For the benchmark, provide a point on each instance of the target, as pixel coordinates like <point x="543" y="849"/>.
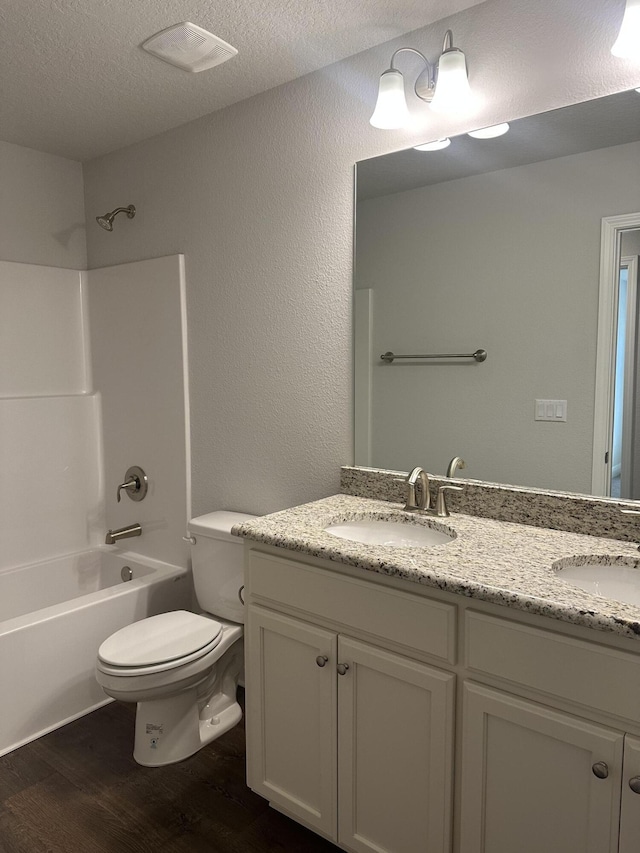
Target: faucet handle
<point x="131" y="483"/>
<point x="441" y="509"/>
<point x="136" y="484"/>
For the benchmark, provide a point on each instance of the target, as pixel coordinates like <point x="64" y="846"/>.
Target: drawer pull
<point x="342" y="668"/>
<point x="321" y="660"/>
<point x="600" y="770"/>
<point x="634" y="784"/>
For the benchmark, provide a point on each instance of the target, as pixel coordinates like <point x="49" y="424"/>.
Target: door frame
<point x="611" y="230"/>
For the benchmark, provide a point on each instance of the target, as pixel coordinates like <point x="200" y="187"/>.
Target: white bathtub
<point x="53" y="617"/>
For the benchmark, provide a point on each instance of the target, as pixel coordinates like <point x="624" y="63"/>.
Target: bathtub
<point x="53" y="617"/>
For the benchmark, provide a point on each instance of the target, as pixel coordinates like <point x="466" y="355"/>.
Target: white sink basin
<point x="620" y="581"/>
<point x="393" y="534"/>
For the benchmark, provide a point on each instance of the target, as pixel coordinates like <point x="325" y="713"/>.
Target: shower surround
<point x="93" y="379"/>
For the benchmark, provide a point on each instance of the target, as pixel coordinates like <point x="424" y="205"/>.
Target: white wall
<point x="50" y="488"/>
<point x="41" y="208"/>
<point x="138" y="350"/>
<point x="518" y="276"/>
<point x="259" y="197"/>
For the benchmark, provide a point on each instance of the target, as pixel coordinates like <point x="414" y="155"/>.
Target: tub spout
<point x="122" y="533"/>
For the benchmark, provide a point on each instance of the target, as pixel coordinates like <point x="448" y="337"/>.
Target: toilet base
<point x="170" y="730"/>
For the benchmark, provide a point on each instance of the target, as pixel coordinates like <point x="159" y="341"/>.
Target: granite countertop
<point x="497" y="561"/>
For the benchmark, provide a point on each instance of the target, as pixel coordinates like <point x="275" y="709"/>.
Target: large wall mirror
<point x="497" y="245"/>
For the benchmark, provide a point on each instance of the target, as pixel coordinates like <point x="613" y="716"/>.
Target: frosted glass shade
<point x="490" y="132"/>
<point x="627" y="45"/>
<point x="391" y="109"/>
<point x="453" y="93"/>
<point x="436" y="145"/>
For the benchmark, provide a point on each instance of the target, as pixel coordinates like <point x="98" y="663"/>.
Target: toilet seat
<point x="159" y="643"/>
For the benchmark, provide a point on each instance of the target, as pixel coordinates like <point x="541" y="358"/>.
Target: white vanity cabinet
<point x="353" y="739"/>
<point x="351" y="717"/>
<point x="527" y="781"/>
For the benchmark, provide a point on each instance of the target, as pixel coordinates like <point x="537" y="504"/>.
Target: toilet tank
<point x="217" y="561"/>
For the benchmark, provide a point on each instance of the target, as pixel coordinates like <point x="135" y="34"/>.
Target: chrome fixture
<point x="627" y="45"/>
<point x="122" y="533"/>
<point x="417" y="476"/>
<point x="441" y="509"/>
<point x="106" y="221"/>
<point x="136" y="484"/>
<point x="418" y="479"/>
<point x="479" y="355"/>
<point x="322" y="660"/>
<point x="444" y="86"/>
<point x="126" y="573"/>
<point x="456" y="462"/>
<point x="634" y="784"/>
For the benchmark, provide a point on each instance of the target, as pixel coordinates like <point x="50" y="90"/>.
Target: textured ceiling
<point x="74" y="81"/>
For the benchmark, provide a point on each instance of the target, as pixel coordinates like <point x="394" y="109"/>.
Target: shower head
<point x="106" y="221"/>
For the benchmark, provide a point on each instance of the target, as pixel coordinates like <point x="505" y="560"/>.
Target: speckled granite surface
<point x="556" y="510"/>
<point x="497" y="561"/>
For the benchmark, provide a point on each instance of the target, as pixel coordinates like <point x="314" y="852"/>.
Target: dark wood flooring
<point x="78" y="790"/>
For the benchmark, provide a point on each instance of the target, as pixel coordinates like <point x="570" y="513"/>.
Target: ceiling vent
<point x="189" y="47"/>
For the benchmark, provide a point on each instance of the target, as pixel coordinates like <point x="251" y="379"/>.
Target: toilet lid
<point x="160" y="639"/>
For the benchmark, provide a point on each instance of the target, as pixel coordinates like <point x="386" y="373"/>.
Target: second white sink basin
<point x="393" y="534"/>
<point x="620" y="581"/>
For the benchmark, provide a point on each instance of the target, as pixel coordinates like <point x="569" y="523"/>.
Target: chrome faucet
<point x="122" y="533"/>
<point x="441" y="509"/>
<point x="455" y="463"/>
<point x="418" y="479"/>
<point x="417" y="476"/>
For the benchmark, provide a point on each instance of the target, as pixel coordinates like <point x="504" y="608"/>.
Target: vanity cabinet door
<point x="395" y="752"/>
<point x="529" y="782"/>
<point x="291" y="717"/>
<point x="630" y="816"/>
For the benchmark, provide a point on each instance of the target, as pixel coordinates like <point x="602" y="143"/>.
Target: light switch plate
<point x="551" y="410"/>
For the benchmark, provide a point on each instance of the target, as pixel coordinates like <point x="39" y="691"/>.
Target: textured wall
<point x="259" y="197"/>
<point x="42" y="209"/>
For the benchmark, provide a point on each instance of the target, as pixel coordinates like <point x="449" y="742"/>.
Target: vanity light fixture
<point x="627" y="45"/>
<point x="490" y="132"/>
<point x="445" y="87"/>
<point x="436" y="145"/>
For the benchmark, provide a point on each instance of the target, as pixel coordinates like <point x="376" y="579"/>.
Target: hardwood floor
<point x="78" y="790"/>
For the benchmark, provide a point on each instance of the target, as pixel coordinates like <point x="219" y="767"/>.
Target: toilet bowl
<point x="182" y="668"/>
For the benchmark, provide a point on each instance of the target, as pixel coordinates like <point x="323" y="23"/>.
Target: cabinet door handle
<point x="634" y="784"/>
<point x="321" y="660"/>
<point x="342" y="668"/>
<point x="600" y="770"/>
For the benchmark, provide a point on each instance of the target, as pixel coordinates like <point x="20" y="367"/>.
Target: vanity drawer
<point x="413" y="621"/>
<point x="582" y="672"/>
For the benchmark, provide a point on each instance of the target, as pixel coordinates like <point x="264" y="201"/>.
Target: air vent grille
<point x="189" y="47"/>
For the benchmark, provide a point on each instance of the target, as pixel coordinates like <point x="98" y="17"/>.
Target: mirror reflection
<point x="496" y="244"/>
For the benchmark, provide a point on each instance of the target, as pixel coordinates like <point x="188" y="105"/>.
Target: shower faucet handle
<point x="135" y="485"/>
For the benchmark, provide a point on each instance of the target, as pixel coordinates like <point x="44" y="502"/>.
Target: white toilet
<point x="183" y="668"/>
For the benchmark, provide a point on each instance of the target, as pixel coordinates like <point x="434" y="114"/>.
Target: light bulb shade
<point x="436" y="145"/>
<point x="627" y="45"/>
<point x="453" y="93"/>
<point x="391" y="109"/>
<point x="489" y="132"/>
